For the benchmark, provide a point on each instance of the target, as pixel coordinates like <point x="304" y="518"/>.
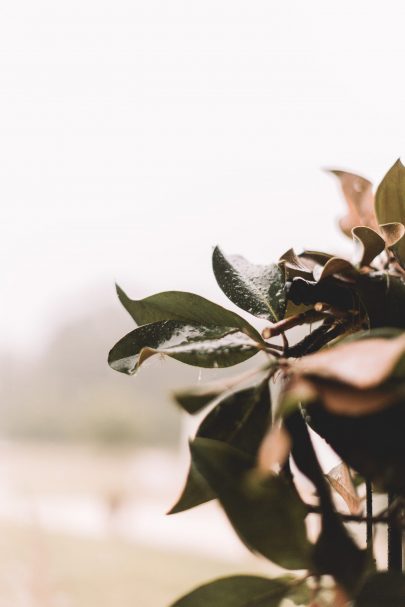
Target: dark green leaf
<point x="256" y="289"/>
<point x="267" y="514"/>
<point x="373" y="445"/>
<point x="390" y="202"/>
<point x="336" y="554"/>
<point x="238" y="591"/>
<point x="385" y="589"/>
<point x="185" y="307"/>
<point x="383" y="298"/>
<point x="192" y="344"/>
<point x="240" y="419"/>
<point x="196" y="397"/>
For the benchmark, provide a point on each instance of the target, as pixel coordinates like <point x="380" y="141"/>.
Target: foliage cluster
<point x="345" y="380"/>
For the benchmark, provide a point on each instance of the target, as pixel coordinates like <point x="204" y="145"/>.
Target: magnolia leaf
<point x="358" y="194"/>
<point x="240" y="419"/>
<point x="373" y="444"/>
<point x="392" y="233"/>
<point x="334" y="265"/>
<point x="382" y="296"/>
<point x="341" y="481"/>
<point x="390" y="202"/>
<point x="363" y="364"/>
<point x="238" y="591"/>
<point x="382" y="589"/>
<point x="254" y="288"/>
<point x="295" y="266"/>
<point x="196" y="397"/>
<point x="185" y="307"/>
<point x="267" y="514"/>
<point x="368" y="245"/>
<point x="274" y="450"/>
<point x="191" y="344"/>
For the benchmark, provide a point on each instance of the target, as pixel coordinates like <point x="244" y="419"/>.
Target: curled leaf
<point x="368" y="244"/>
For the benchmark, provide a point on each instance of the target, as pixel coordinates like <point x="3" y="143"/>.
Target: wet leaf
<point x="358" y="194"/>
<point x="254" y="288"/>
<point x="267" y="514"/>
<point x="184" y="307"/>
<point x="191" y="344"/>
<point x="390" y="202"/>
<point x="238" y="591"/>
<point x="383" y="589"/>
<point x="368" y="243"/>
<point x="240" y="419"/>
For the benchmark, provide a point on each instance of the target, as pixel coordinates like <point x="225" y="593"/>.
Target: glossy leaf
<point x="184" y="307"/>
<point x="295" y="266"/>
<point x="390" y="202"/>
<point x="341" y="481"/>
<point x="238" y="591"/>
<point x="191" y="344"/>
<point x="254" y="288"/>
<point x="383" y="589"/>
<point x="267" y="514"/>
<point x="240" y="419"/>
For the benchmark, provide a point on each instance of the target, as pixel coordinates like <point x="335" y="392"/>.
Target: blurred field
<point x="84" y="526"/>
<point x="40" y="569"/>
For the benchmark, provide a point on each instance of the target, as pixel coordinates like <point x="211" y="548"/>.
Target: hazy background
<point x="134" y="136"/>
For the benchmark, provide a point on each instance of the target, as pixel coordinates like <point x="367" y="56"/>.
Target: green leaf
<point x="198" y="396"/>
<point x="390" y="202"/>
<point x="267" y="514"/>
<point x="385" y="589"/>
<point x="185" y="307"/>
<point x="241" y="419"/>
<point x="238" y="591"/>
<point x="191" y="344"/>
<point x="256" y="289"/>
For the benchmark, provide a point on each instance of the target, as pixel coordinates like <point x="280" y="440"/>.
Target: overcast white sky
<point x="136" y="134"/>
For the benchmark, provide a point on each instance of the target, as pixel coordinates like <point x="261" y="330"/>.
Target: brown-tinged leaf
<point x="274" y="449"/>
<point x="334" y="265"/>
<point x="341" y="598"/>
<point x="341" y="481"/>
<point x="359" y="197"/>
<point x="362" y="364"/>
<point x="368" y="244"/>
<point x="392" y="233"/>
<point x="296" y="266"/>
